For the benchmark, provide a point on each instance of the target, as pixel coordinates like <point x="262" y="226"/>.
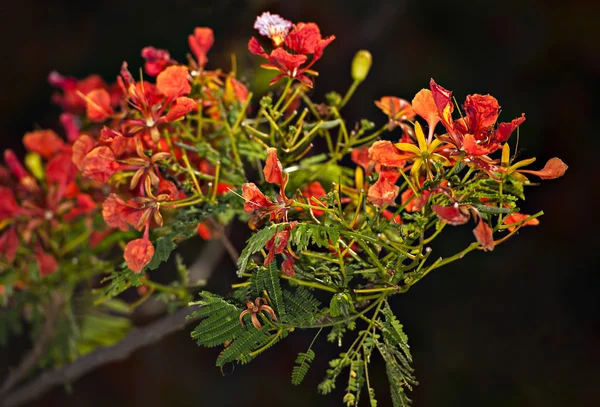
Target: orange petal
<point x="383" y="192"/>
<point x="138" y="253"/>
<point x="182" y="106"/>
<point x="451" y="214"/>
<point x="554" y="168"/>
<point x="273" y="170"/>
<point x="200" y="43"/>
<point x="81" y="148"/>
<point x="424" y="105"/>
<point x="100" y="164"/>
<point x="483" y="234"/>
<point x="395" y="108"/>
<point x="173" y="82"/>
<point x="518" y="217"/>
<point x="385" y="153"/>
<point x="98" y="107"/>
<point x="44" y="142"/>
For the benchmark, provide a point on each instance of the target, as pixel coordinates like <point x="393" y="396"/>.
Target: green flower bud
<point x="33" y="162"/>
<point x="361" y="64"/>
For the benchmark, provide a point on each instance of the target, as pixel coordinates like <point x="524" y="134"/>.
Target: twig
<point x="30" y="360"/>
<point x="69" y="373"/>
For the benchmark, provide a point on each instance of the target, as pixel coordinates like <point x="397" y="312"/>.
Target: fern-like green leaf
<point x="303" y="361"/>
<point x="221" y="321"/>
<point x="255" y="243"/>
<point x="273" y="287"/>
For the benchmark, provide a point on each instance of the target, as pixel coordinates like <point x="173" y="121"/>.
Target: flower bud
<point x="361" y="64"/>
<point x="33" y="162"/>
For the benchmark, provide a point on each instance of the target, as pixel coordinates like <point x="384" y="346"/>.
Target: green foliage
<point x="254" y="244"/>
<point x="303" y="362"/>
<point x="302" y="307"/>
<point x="220" y="323"/>
<point x="249" y="345"/>
<point x="319" y="234"/>
<point x="341" y="305"/>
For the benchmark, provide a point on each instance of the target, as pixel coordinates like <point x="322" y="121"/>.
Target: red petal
<point x="288" y="266"/>
<point x="314" y="189"/>
<point x="44" y="142"/>
<point x="182" y="106"/>
<point x="451" y="214"/>
<point x="100" y="164"/>
<point x="61" y="169"/>
<point x="273" y="170"/>
<point x="483" y="234"/>
<point x="481" y="113"/>
<point x="173" y="82"/>
<point x="256" y="48"/>
<point x="554" y="168"/>
<point x="156" y="60"/>
<point x="360" y="156"/>
<point x="395" y="108"/>
<point x="383" y="193"/>
<point x="385" y="153"/>
<point x="388" y="215"/>
<point x="442" y="97"/>
<point x="46" y="263"/>
<point x="506" y="129"/>
<point x="118" y="213"/>
<point x="204" y="231"/>
<point x="304" y="38"/>
<point x="8" y="203"/>
<point x="138" y="253"/>
<point x="9" y="243"/>
<point x="285" y="61"/>
<point x="470" y="145"/>
<point x="200" y="43"/>
<point x="254" y="198"/>
<point x="81" y="148"/>
<point x="71" y="125"/>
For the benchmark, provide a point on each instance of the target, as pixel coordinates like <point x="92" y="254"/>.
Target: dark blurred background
<point x="516" y="327"/>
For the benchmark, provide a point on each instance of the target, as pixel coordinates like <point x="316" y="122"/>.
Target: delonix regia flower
<point x="187" y="149"/>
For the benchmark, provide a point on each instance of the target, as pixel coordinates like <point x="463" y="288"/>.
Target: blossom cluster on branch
<point x="181" y="149"/>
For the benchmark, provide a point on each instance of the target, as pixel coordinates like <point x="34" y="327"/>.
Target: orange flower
<point x="156" y="60"/>
<point x="384" y="152"/>
<point x="200" y="43"/>
<point x="424" y="105"/>
<point x="173" y="82"/>
<point x="554" y="168"/>
<point x="382" y="193"/>
<point x="81" y="148"/>
<point x="138" y="253"/>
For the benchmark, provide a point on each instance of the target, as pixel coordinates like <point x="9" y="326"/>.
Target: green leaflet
<point x="303" y="362"/>
<point x="254" y="244"/>
<point x="220" y="323"/>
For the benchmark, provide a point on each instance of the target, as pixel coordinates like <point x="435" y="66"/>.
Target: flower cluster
<point x="146" y="163"/>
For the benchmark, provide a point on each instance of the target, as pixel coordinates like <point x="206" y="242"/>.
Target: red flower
<point x="382" y="193"/>
<point x="156" y="60"/>
<point x="81" y="148"/>
<point x="138" y="253"/>
<point x="71" y="100"/>
<point x="257" y="202"/>
<point x="100" y="164"/>
<point x="475" y="133"/>
<point x="119" y="214"/>
<point x="200" y="43"/>
<point x="304" y="39"/>
<point x="44" y="142"/>
<point x="9" y="243"/>
<point x="360" y="156"/>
